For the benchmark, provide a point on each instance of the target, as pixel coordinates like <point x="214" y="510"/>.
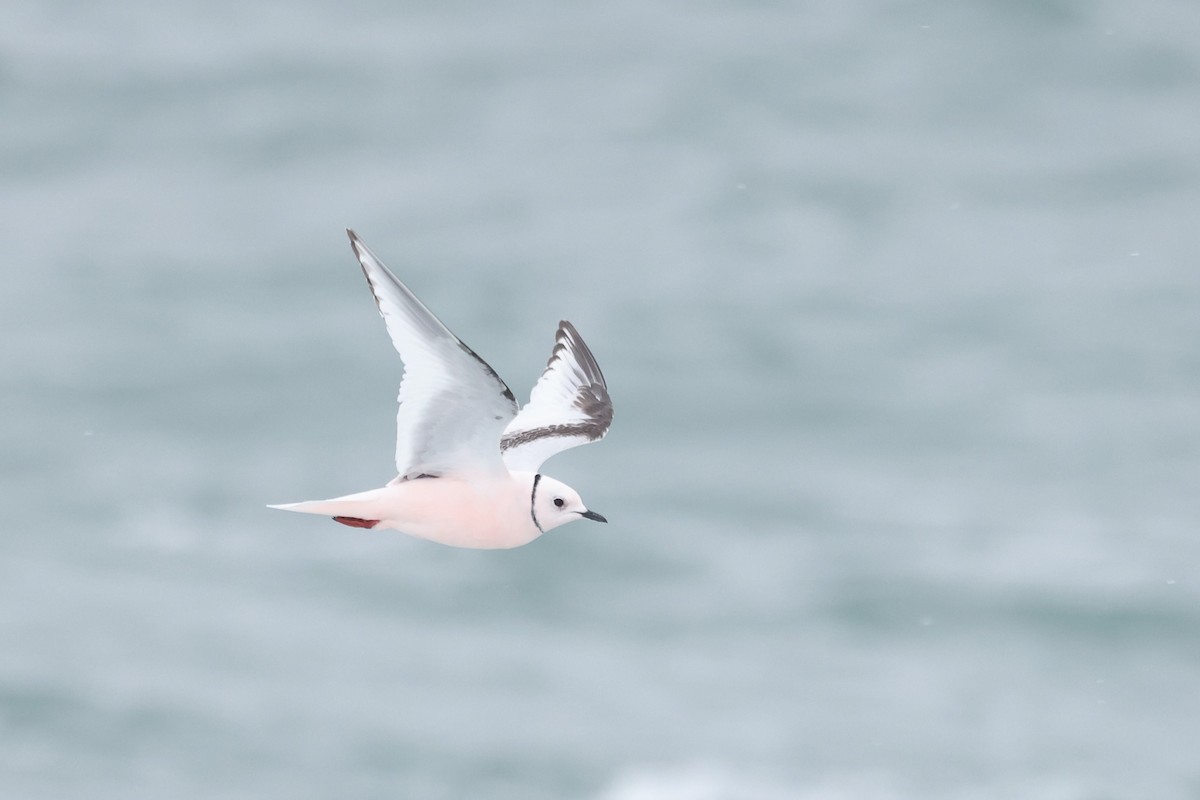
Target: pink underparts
<point x="355" y="522"/>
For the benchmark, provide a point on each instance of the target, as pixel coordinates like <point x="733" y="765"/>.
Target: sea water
<point x="899" y="306"/>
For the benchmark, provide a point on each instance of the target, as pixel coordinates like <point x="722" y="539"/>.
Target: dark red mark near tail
<point x="355" y="522"/>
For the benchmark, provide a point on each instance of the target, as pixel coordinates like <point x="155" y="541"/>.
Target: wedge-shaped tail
<point x="361" y="510"/>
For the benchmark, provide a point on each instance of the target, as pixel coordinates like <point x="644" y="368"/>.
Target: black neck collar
<point x="533" y="503"/>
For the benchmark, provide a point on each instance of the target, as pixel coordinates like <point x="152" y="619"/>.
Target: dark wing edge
<point x="590" y="411"/>
<point x="433" y="325"/>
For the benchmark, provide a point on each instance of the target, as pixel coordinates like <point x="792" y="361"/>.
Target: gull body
<point x="467" y="460"/>
<point x="457" y="511"/>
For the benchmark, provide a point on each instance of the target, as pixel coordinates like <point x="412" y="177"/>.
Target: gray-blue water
<point x="899" y="304"/>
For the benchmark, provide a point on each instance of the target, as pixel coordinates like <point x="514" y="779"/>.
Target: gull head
<point x="553" y="503"/>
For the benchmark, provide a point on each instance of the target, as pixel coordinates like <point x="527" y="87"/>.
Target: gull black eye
<point x="558" y="502"/>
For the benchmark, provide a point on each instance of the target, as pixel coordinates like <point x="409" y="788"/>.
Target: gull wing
<point x="453" y="406"/>
<point x="569" y="406"/>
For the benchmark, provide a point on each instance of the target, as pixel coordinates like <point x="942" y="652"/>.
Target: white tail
<point x="363" y="505"/>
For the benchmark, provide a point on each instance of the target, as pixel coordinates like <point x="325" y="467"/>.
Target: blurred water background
<point x="899" y="304"/>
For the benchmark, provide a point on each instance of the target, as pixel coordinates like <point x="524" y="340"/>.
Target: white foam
<point x="712" y="782"/>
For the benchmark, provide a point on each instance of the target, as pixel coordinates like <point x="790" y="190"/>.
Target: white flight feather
<point x="569" y="406"/>
<point x="453" y="406"/>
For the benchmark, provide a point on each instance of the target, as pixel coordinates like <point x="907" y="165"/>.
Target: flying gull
<point x="467" y="459"/>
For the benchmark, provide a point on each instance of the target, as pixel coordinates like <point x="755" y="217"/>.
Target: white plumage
<point x="466" y="460"/>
